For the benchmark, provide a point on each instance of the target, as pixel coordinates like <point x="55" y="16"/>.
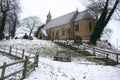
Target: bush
<point x="30" y="38"/>
<point x="16" y="37"/>
<point x="25" y="36"/>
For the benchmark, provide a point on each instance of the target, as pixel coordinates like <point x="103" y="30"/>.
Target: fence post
<point x="10" y="49"/>
<point x="93" y="51"/>
<point x="107" y="58"/>
<point x="25" y="67"/>
<point x="84" y="48"/>
<point x="3" y="70"/>
<point x="16" y="52"/>
<point x="37" y="59"/>
<point x="23" y="53"/>
<point x="117" y="58"/>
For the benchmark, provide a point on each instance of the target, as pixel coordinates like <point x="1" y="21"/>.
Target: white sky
<point x="41" y="8"/>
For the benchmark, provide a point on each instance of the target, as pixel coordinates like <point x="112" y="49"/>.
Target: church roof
<point x="84" y="15"/>
<point x="65" y="19"/>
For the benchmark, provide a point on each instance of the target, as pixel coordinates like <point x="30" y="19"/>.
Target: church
<point x="71" y="26"/>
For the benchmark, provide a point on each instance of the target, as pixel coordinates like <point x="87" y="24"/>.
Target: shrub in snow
<point x="16" y="37"/>
<point x="7" y="37"/>
<point x="25" y="36"/>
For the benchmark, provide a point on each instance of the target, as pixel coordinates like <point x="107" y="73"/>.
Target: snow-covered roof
<point x="84" y="15"/>
<point x="65" y="19"/>
<point x="44" y="32"/>
<point x="60" y="20"/>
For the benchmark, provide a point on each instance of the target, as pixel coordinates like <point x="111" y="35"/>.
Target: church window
<point x="77" y="27"/>
<point x="90" y="26"/>
<point x="63" y="32"/>
<point x="68" y="30"/>
<point x="57" y="33"/>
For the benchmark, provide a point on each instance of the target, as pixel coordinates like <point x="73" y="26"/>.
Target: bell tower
<point x="48" y="17"/>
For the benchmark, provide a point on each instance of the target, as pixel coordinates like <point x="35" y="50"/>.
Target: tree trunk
<point x="102" y="22"/>
<point x="30" y="32"/>
<point x="2" y="25"/>
<point x="14" y="28"/>
<point x="98" y="27"/>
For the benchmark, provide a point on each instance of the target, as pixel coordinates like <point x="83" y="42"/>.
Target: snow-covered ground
<point x="53" y="70"/>
<point x="79" y="69"/>
<point x="10" y="69"/>
<point x="4" y="58"/>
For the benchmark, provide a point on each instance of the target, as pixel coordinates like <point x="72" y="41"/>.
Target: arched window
<point x="90" y="26"/>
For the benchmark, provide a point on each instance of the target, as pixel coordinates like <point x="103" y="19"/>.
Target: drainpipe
<point x="73" y="25"/>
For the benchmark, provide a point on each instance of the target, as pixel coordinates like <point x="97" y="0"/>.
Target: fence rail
<point x="28" y="67"/>
<point x="20" y="53"/>
<point x="93" y="50"/>
<point x="28" y="63"/>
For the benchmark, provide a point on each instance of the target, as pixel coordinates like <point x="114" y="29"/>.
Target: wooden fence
<point x="28" y="67"/>
<point x="93" y="51"/>
<point x="106" y="53"/>
<point x="12" y="51"/>
<point x="27" y="60"/>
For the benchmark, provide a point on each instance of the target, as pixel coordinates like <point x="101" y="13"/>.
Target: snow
<point x="79" y="69"/>
<point x="53" y="70"/>
<point x="44" y="32"/>
<point x="5" y="59"/>
<point x="10" y="69"/>
<point x="115" y="38"/>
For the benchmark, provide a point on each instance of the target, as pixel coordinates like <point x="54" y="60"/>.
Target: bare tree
<point x="32" y="23"/>
<point x="7" y="7"/>
<point x="13" y="22"/>
<point x="95" y="8"/>
<point x="107" y="9"/>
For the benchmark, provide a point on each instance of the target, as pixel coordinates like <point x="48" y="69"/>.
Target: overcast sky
<point x="41" y="8"/>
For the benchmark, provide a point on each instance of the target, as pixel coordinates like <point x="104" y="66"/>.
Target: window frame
<point x="90" y="26"/>
<point x="77" y="28"/>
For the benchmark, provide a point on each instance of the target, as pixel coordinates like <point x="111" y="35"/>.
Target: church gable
<point x="84" y="15"/>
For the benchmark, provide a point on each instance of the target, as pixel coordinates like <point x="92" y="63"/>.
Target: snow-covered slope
<point x="80" y="69"/>
<point x="52" y="70"/>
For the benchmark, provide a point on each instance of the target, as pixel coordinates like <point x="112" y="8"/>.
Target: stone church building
<point x="71" y="26"/>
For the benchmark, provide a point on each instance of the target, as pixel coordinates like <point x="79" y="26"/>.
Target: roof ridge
<point x="83" y="11"/>
<point x="63" y="15"/>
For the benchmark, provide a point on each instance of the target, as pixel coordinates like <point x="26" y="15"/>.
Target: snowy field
<point x="10" y="69"/>
<point x="4" y="58"/>
<point x="79" y="69"/>
<point x="53" y="70"/>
